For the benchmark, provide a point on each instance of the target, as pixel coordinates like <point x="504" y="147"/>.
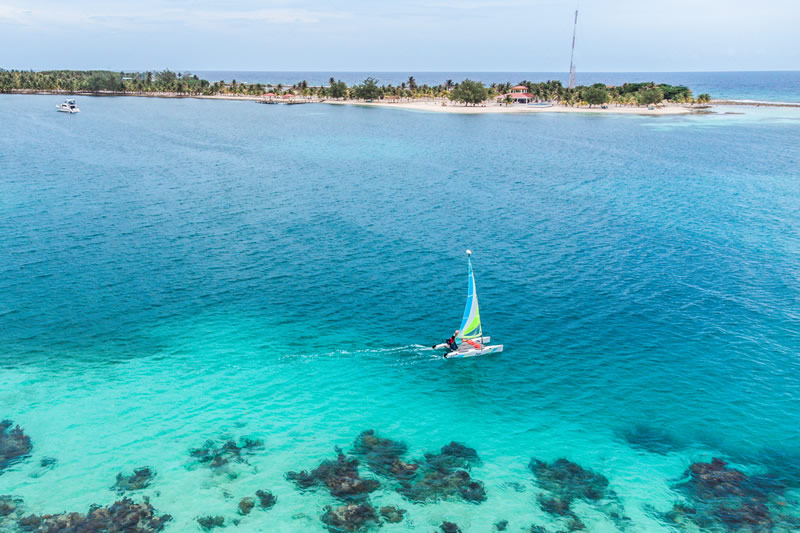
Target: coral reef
<point x="352" y="517"/>
<point x="246" y="505"/>
<point x="210" y="522"/>
<point x="721" y="498"/>
<point x="217" y="455"/>
<point x="123" y="516"/>
<point x="266" y="499"/>
<point x="15" y="445"/>
<point x="340" y="476"/>
<point x="565" y="482"/>
<point x="140" y="479"/>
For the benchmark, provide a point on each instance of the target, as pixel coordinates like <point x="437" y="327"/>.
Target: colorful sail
<point x="471" y="323"/>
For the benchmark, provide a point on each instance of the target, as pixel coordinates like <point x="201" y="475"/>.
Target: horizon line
<point x="207" y="69"/>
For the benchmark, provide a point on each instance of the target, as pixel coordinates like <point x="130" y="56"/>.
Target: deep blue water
<point x="173" y="271"/>
<point x="778" y="86"/>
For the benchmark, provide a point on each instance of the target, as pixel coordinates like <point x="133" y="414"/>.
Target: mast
<point x="572" y="54"/>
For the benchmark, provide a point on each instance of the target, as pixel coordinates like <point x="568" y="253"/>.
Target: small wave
<point x="758" y="102"/>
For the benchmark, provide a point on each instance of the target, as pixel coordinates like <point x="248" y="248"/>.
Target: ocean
<point x="767" y="86"/>
<point x="177" y="271"/>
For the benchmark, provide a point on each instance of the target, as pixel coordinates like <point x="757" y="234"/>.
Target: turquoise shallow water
<point x="173" y="271"/>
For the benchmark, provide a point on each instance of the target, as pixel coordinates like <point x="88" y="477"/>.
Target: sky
<point x="404" y="35"/>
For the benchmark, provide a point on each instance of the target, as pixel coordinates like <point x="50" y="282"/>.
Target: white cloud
<point x="100" y="16"/>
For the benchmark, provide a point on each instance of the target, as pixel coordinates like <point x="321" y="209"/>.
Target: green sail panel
<point x="471" y="322"/>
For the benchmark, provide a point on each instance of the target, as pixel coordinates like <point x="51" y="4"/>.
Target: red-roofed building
<point x="518" y="94"/>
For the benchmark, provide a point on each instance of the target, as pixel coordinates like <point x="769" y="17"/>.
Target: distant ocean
<point x="778" y="86"/>
<point x="177" y="274"/>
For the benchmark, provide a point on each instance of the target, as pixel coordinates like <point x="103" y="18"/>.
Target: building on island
<point x="518" y="95"/>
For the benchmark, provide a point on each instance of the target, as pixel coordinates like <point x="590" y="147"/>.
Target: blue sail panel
<point x="471" y="321"/>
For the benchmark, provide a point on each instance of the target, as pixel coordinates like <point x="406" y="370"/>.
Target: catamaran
<point x="470" y="338"/>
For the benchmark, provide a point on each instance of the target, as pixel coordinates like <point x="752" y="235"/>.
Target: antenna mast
<point x="572" y="54"/>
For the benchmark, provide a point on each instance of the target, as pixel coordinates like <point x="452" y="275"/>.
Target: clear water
<point x="775" y="86"/>
<point x="173" y="271"/>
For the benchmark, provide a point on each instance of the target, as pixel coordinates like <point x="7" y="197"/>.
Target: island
<point x="467" y="96"/>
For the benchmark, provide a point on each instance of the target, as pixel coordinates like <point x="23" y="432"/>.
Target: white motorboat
<point x="69" y="106"/>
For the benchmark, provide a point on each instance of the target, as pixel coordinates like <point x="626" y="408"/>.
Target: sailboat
<point x="471" y="340"/>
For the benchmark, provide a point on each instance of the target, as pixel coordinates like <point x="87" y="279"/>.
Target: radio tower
<point x="572" y="54"/>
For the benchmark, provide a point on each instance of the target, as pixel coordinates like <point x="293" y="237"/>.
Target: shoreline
<point x="441" y="105"/>
<point x="493" y="108"/>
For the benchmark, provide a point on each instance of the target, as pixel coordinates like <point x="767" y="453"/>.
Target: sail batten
<point x="471" y="322"/>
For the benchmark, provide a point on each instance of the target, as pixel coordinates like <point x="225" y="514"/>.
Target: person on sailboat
<point x="451" y="342"/>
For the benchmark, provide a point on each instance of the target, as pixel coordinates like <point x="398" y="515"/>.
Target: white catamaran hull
<point x="474" y="352"/>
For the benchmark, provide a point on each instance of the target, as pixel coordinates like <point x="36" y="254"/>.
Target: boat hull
<point x="474" y="352"/>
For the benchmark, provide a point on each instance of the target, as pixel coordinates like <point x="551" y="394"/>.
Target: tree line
<point x="466" y="92"/>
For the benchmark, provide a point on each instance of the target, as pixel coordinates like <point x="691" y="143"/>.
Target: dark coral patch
<point x="352" y="517"/>
<point x="210" y="522"/>
<point x="340" y="476"/>
<point x="140" y="479"/>
<point x="15" y="445"/>
<point x="650" y="439"/>
<point x="217" y="455"/>
<point x="383" y="456"/>
<point x="443" y="475"/>
<point x="8" y="504"/>
<point x="453" y="456"/>
<point x="246" y="505"/>
<point x="565" y="482"/>
<point x="123" y="516"/>
<point x="392" y="514"/>
<point x="726" y="498"/>
<point x="266" y="499"/>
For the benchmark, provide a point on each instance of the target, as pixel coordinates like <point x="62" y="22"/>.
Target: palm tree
<point x="412" y="83"/>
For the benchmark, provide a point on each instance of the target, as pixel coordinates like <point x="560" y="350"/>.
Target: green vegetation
<point x="596" y="95"/>
<point x="337" y="89"/>
<point x="167" y="82"/>
<point x="652" y="95"/>
<point x="469" y="92"/>
<point x="368" y="90"/>
<point x="104" y="81"/>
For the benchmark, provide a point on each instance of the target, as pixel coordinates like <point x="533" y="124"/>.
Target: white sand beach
<point x="439" y="106"/>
